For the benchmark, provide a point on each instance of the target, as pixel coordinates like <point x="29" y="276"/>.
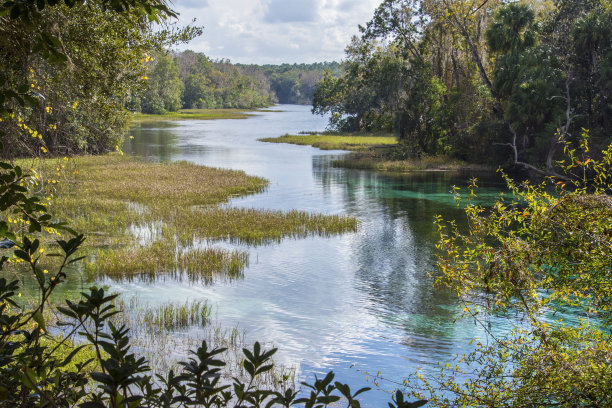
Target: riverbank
<point x="373" y="152"/>
<point x="146" y="220"/>
<point x="190" y="114"/>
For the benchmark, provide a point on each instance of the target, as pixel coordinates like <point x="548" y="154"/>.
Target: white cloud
<point x="275" y="31"/>
<point x="283" y="11"/>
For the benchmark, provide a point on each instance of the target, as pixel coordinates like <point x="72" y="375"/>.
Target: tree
<point x="198" y="92"/>
<point x="545" y="81"/>
<point x="538" y="254"/>
<point x="68" y="69"/>
<point x="411" y="73"/>
<point x="528" y="81"/>
<point x="164" y="93"/>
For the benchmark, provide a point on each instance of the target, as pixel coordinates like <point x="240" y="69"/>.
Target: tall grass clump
<point x="255" y="227"/>
<point x="170" y="316"/>
<point x="369" y="160"/>
<point x="169" y="259"/>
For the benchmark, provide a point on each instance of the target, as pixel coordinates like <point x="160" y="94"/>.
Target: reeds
<point x="170" y="316"/>
<point x="165" y="333"/>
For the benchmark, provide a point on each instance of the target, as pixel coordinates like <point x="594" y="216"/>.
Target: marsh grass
<point x="165" y="333"/>
<point x="189" y="114"/>
<point x="378" y="162"/>
<point x="169" y="259"/>
<point x="255" y="227"/>
<point x="335" y="141"/>
<point x="145" y="220"/>
<point x="165" y="317"/>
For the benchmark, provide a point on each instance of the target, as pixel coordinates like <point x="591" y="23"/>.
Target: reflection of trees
<point x="394" y="248"/>
<point x="152" y="140"/>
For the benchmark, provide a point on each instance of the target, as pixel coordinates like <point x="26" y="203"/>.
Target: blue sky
<point x="275" y="31"/>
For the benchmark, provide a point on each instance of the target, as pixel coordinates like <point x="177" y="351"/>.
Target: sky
<point x="274" y="31"/>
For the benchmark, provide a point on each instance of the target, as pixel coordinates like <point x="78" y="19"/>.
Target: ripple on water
<point x="362" y="298"/>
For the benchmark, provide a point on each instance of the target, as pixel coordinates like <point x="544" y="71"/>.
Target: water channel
<point x="357" y="302"/>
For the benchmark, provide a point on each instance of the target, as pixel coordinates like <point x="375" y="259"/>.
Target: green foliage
<point x="512" y="30"/>
<point x="390" y="83"/>
<point x="297" y="83"/>
<point x="539" y="253"/>
<point x="220" y="84"/>
<point x="191" y="80"/>
<point x="205" y="83"/>
<point x="67" y="95"/>
<point x="474" y="79"/>
<point x="165" y="88"/>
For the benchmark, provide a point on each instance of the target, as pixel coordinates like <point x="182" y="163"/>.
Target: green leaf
<point x="70" y="356"/>
<point x="39" y="319"/>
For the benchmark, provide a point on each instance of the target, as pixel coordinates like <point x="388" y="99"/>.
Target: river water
<point x="355" y="303"/>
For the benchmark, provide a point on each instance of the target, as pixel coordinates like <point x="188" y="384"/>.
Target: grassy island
<point x="145" y="219"/>
<point x="353" y="142"/>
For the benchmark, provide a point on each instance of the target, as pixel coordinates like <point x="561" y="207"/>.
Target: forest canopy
<point x="190" y="80"/>
<point x="508" y="81"/>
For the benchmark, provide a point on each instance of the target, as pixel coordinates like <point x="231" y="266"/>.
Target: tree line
<point x="295" y="83"/>
<point x="508" y="81"/>
<point x="188" y="80"/>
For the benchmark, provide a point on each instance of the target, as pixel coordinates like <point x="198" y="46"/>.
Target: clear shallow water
<point x="362" y="298"/>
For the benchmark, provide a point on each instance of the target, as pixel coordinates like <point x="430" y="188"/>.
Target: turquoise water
<point x="359" y="302"/>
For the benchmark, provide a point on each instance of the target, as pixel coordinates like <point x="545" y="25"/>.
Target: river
<point x="353" y="303"/>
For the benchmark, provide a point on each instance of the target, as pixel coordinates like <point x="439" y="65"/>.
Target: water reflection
<point x="363" y="298"/>
<point x="152" y="140"/>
